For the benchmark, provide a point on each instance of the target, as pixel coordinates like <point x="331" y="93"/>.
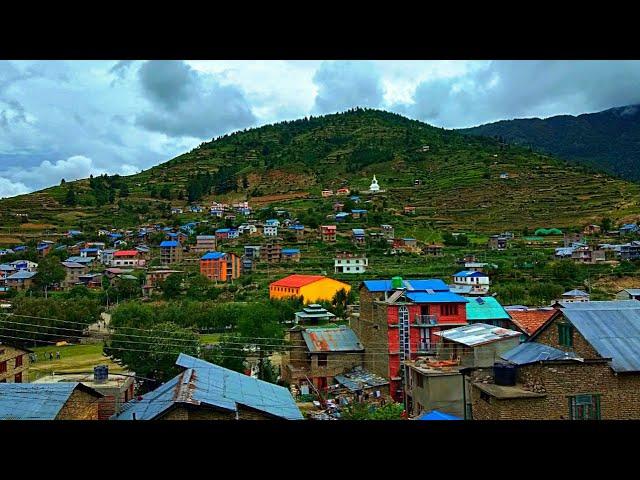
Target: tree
<point x="172" y="286"/>
<point x="227" y="354"/>
<point x="165" y="192"/>
<point x="124" y="190"/>
<point x="153" y="354"/>
<point x="364" y="411"/>
<point x="50" y="271"/>
<point x="70" y="199"/>
<point x="606" y="224"/>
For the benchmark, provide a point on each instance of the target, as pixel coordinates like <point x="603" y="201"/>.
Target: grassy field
<point x="73" y="358"/>
<point x="207" y="338"/>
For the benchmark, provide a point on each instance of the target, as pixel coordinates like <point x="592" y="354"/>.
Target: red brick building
<point x="398" y="321"/>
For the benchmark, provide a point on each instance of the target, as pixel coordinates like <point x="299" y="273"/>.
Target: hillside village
<point x="335" y="312"/>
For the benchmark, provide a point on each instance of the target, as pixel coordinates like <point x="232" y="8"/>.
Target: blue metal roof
<point x="331" y="339"/>
<point x="434" y="284"/>
<point x="212" y="256"/>
<point x="78" y="259"/>
<point x="223" y="230"/>
<point x="203" y="383"/>
<point x="357" y="231"/>
<point x="169" y="243"/>
<point x="34" y="401"/>
<point x="296" y="227"/>
<point x="531" y="352"/>
<point x="469" y="273"/>
<point x="436" y="297"/>
<point x="290" y="251"/>
<point x="437" y="415"/>
<point x="601" y="305"/>
<point x="357" y="210"/>
<point x="575" y="293"/>
<point x="22" y="275"/>
<point x="87" y="250"/>
<point x="614" y="332"/>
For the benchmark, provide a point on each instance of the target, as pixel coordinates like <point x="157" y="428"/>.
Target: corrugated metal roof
<point x="485" y="308"/>
<point x="296" y="280"/>
<point x="213" y="256"/>
<point x="341" y="339"/>
<point x="601" y="305"/>
<point x="436" y="297"/>
<point x="632" y="291"/>
<point x="169" y="243"/>
<point x="614" y="333"/>
<point x="575" y="293"/>
<point x="22" y="275"/>
<point x="531" y="352"/>
<point x="359" y="378"/>
<point x="203" y="383"/>
<point x="477" y="334"/>
<point x="290" y="251"/>
<point x="437" y="415"/>
<point x="469" y="273"/>
<point x="434" y="284"/>
<point x="34" y="401"/>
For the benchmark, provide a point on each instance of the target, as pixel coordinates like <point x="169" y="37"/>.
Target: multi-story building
<point x="358" y="237"/>
<point x="170" y="252"/>
<point x="73" y="272"/>
<point x="388" y="231"/>
<point x="498" y="242"/>
<point x="204" y="244"/>
<point x="220" y="266"/>
<point x="319" y="354"/>
<point x="252" y="251"/>
<point x="478" y="281"/>
<point x="298" y="230"/>
<point x="328" y="233"/>
<point x="586" y="254"/>
<point x="271" y="251"/>
<point x="630" y="251"/>
<point x="127" y="259"/>
<point x="14" y="363"/>
<point x="398" y="321"/>
<point x="433" y="249"/>
<point x="290" y="254"/>
<point x="270" y="230"/>
<point x="21" y="280"/>
<point x="350" y="263"/>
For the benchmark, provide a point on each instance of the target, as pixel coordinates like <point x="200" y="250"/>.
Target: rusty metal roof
<point x="332" y="339"/>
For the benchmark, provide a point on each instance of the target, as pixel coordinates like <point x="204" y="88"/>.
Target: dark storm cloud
<point x="343" y="85"/>
<point x="510" y="89"/>
<point x="185" y="104"/>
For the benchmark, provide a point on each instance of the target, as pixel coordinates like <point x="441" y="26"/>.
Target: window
<point x="18" y="361"/>
<point x="565" y="334"/>
<point x="18" y="378"/>
<point x="3" y="367"/>
<point x="419" y="381"/>
<point x="584" y="407"/>
<point x="322" y="360"/>
<point x="449" y="309"/>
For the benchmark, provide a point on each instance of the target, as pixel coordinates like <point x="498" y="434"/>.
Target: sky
<point x="70" y="119"/>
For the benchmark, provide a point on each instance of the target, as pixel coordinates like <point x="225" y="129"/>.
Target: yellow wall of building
<point x="323" y="289"/>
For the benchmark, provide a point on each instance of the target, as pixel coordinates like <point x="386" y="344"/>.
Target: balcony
<point x="425" y="321"/>
<point x="426" y="348"/>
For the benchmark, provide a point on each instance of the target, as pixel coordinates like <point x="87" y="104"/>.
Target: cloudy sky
<point x="70" y="119"/>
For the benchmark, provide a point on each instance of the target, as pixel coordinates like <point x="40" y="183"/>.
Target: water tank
<point x="100" y="373"/>
<point x="396" y="282"/>
<point x="504" y="374"/>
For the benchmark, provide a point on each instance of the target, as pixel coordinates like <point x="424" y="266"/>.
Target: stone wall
<point x="80" y="405"/>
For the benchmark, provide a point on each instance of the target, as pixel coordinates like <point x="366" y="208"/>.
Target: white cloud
<point x="11" y="189"/>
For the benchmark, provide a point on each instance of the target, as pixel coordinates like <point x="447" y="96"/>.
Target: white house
<point x="478" y="281"/>
<point x="350" y="263"/>
<point x="270" y="230"/>
<point x="127" y="258"/>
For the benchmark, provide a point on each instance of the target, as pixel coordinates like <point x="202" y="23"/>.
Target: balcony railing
<point x="426" y="347"/>
<point x="426" y="320"/>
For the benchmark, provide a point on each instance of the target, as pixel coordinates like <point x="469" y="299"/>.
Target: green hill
<point x="608" y="140"/>
<point x="289" y="163"/>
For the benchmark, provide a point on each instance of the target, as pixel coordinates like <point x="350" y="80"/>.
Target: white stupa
<point x="374" y="187"/>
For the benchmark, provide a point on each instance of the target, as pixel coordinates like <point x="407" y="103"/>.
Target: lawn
<point x="73" y="358"/>
<point x="207" y="338"/>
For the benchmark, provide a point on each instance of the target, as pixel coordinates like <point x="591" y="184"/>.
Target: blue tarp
<point x="438" y="415"/>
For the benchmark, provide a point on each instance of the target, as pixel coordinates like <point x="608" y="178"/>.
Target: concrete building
<point x="478" y="281"/>
<point x="290" y="254"/>
<point x="312" y="288"/>
<point x="73" y="272"/>
<point x="328" y="233"/>
<point x="170" y="252"/>
<point x="204" y="244"/>
<point x="127" y="259"/>
<point x="350" y="263"/>
<point x="433" y="385"/>
<point x="220" y="266"/>
<point x="21" y="280"/>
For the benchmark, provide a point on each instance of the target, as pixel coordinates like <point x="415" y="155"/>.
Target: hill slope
<point x="608" y="140"/>
<point x="285" y="162"/>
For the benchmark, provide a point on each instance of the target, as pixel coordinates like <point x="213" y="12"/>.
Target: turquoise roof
<point x="485" y="308"/>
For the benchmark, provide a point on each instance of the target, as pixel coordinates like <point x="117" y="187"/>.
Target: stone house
<point x="48" y="401"/>
<point x="14" y="363"/>
<point x="204" y="391"/>
<point x="584" y="363"/>
<point x="319" y="354"/>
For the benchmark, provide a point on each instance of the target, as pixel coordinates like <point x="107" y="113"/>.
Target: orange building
<point x="312" y="288"/>
<point x="219" y="266"/>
